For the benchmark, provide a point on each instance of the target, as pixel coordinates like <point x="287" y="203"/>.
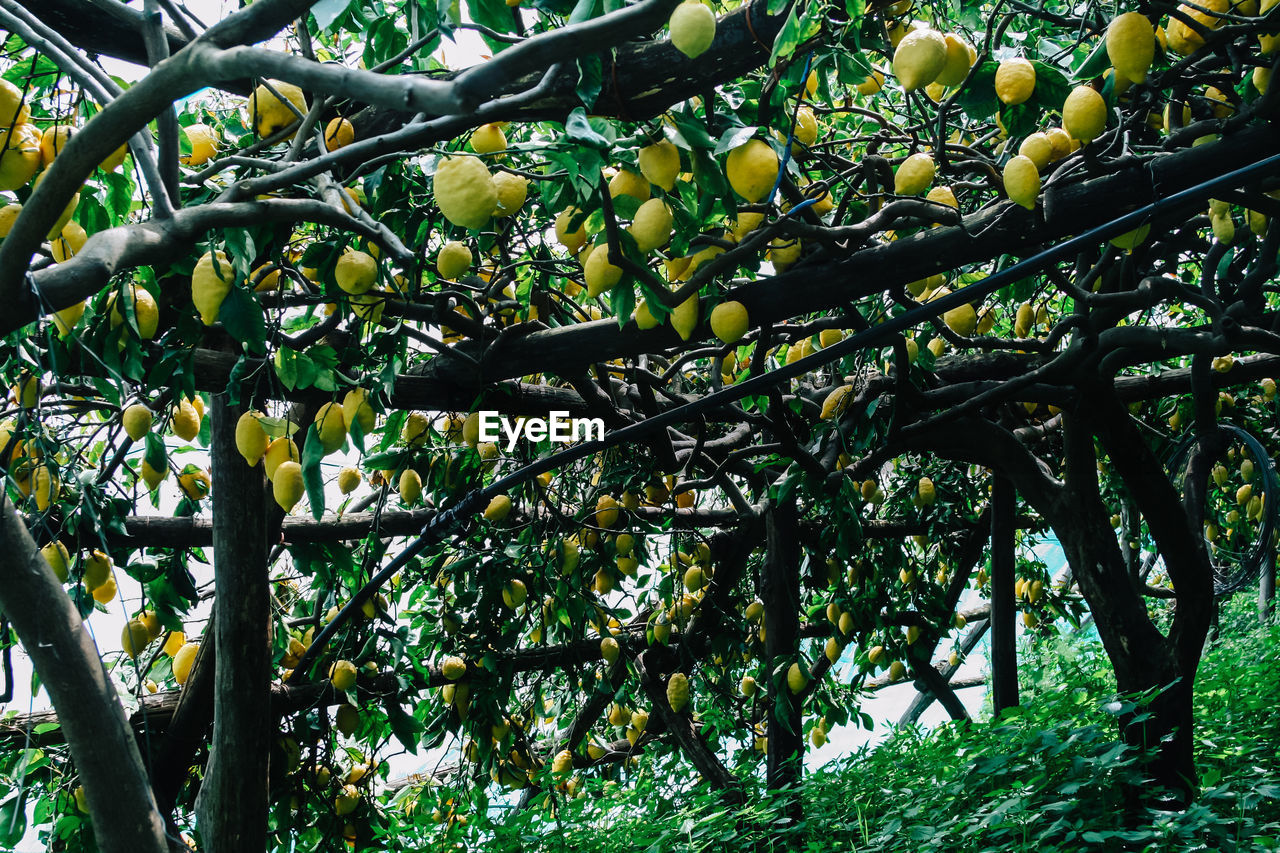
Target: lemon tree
<point x="873" y="304"/>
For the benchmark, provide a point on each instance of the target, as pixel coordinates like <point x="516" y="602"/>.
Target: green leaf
<point x="312" y="456"/>
<point x="242" y="317"/>
<point x="733" y="138"/>
<point x="155" y="454"/>
<point x="577" y="128"/>
<point x="978" y="97"/>
<point x="1052" y="87"/>
<point x="622" y="300"/>
<point x="1094" y="64"/>
<point x="1019" y="119"/>
<point x="590" y="80"/>
<point x="13" y="820"/>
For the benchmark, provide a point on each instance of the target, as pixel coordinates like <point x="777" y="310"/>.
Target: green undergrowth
<point x="1049" y="776"/>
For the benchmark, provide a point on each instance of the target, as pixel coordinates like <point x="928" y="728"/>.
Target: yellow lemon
<point x="348" y="480"/>
<point x="53" y="140"/>
<point x="356" y="272"/>
<point x="660" y="164"/>
<point x="183" y="659"/>
<point x="465" y="192"/>
<point x="914" y="175"/>
<point x="19" y="155"/>
<point x="69" y="241"/>
<point x="1131" y="45"/>
<point x="279" y="451"/>
<point x="204" y="145"/>
<point x="960" y="57"/>
<point x="693" y="28"/>
<point x="1084" y="113"/>
<point x="1015" y="80"/>
<point x="210" y="285"/>
<point x="729" y="321"/>
<point x="651" y="226"/>
<point x="488" y="139"/>
<point x="512" y="192"/>
<point x="599" y="275"/>
<point x="752" y="169"/>
<point x="919" y="58"/>
<point x="185" y="420"/>
<point x="270" y="113"/>
<point x="136" y="420"/>
<point x="678" y="692"/>
<point x="331" y="426"/>
<point x="1022" y="181"/>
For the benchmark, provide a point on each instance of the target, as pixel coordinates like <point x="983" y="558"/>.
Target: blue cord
<point x="791" y="136"/>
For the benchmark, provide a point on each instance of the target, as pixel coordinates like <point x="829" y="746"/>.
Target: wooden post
<point x="1004" y="651"/>
<point x="780" y="592"/>
<point x="1267" y="586"/>
<point x="233" y="801"/>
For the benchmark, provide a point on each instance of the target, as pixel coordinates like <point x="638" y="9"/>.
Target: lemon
<point x="1038" y="148"/>
<point x="453" y="668"/>
<point x="210" y="286"/>
<point x="1184" y="40"/>
<point x="797" y="679"/>
<point x="1015" y="80"/>
<point x="1024" y="319"/>
<point x="660" y="164"/>
<point x="280" y="450"/>
<point x="204" y="145"/>
<point x="606" y="511"/>
<point x="1062" y="143"/>
<point x="919" y="58"/>
<point x="114" y="159"/>
<point x="962" y="320"/>
<point x="512" y="192"/>
<point x="514" y="594"/>
<point x="783" y="252"/>
<point x="151" y="476"/>
<point x="465" y="192"/>
<point x="348" y="480"/>
<point x="571" y="240"/>
<point x="599" y="275"/>
<point x="287" y="486"/>
<point x="752" y="169"/>
<point x="67" y="212"/>
<point x="106" y="593"/>
<point x="251" y="438"/>
<point x="69" y="241"/>
<point x="8" y="215"/>
<point x="1131" y="45"/>
<point x="53" y="140"/>
<point x="488" y="139"/>
<point x="729" y="321"/>
<point x="1084" y="113"/>
<point x="21" y="155"/>
<point x="343" y="675"/>
<point x="693" y="28"/>
<point x="185" y="421"/>
<point x="331" y="426"/>
<point x="960" y="57"/>
<point x="410" y="486"/>
<point x="678" y="692"/>
<point x="134" y="638"/>
<point x="356" y="409"/>
<point x="943" y="195"/>
<point x="873" y="84"/>
<point x="914" y="175"/>
<point x="651" y="226"/>
<point x="269" y="114"/>
<point x="498" y="509"/>
<point x="627" y="182"/>
<point x="59" y="560"/>
<point x="136" y="420"/>
<point x="684" y="318"/>
<point x="183" y="659"/>
<point x="836" y="402"/>
<point x="806" y="129"/>
<point x="1022" y="181"/>
<point x="897" y="671"/>
<point x="356" y="272"/>
<point x="145" y="310"/>
<point x="1131" y="239"/>
<point x="195" y="484"/>
<point x="14" y="109"/>
<point x="925" y="492"/>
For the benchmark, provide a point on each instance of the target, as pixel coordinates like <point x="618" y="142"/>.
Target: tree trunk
<point x="1267" y="586"/>
<point x="780" y="592"/>
<point x="1004" y="650"/>
<point x="233" y="801"/>
<point x="125" y="818"/>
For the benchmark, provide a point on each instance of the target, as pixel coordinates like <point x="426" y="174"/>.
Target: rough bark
<point x="233" y="800"/>
<point x="1004" y="650"/>
<point x="780" y="593"/>
<point x="125" y="817"/>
